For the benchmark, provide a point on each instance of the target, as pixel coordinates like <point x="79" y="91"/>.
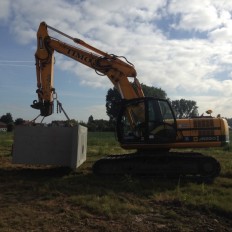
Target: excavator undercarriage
<point x="169" y="164"/>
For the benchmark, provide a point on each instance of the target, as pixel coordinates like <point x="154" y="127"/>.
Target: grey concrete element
<point x="60" y="146"/>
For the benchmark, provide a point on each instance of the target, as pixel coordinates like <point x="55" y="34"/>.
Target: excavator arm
<point x="117" y="70"/>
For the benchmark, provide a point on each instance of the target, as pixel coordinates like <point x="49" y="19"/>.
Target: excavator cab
<point x="146" y="122"/>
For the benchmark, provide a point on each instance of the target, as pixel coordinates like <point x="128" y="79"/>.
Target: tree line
<point x="8" y="120"/>
<point x="182" y="108"/>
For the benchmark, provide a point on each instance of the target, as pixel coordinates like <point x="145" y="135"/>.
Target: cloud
<point x="194" y="64"/>
<point x="87" y="77"/>
<point x="98" y="111"/>
<point x="222" y="34"/>
<point x="194" y="15"/>
<point x="4" y="9"/>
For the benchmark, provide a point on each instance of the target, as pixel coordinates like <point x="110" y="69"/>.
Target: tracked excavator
<point x="144" y="124"/>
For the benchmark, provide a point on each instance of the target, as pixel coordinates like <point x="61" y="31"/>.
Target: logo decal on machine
<point x="209" y="138"/>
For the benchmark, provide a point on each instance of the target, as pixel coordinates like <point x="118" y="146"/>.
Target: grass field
<point x="34" y="198"/>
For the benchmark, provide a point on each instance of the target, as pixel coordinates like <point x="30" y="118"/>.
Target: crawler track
<point x="171" y="164"/>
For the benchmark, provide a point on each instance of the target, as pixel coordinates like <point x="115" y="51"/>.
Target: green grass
<point x="51" y="199"/>
<point x="101" y="144"/>
<point x="6" y="139"/>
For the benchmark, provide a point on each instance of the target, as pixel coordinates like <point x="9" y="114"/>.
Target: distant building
<point x="3" y="127"/>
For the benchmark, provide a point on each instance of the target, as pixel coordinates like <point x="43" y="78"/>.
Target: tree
<point x="90" y="120"/>
<point x="113" y="98"/>
<point x="71" y="122"/>
<point x="19" y="121"/>
<point x="7" y="118"/>
<point x="90" y="124"/>
<point x="10" y="126"/>
<point x="99" y="124"/>
<point x="112" y="108"/>
<point x="229" y="120"/>
<point x="150" y="91"/>
<point x="184" y="108"/>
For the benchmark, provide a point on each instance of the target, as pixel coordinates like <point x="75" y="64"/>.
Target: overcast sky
<point x="183" y="47"/>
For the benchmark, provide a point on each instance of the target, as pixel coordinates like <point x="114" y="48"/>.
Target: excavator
<point x="145" y="125"/>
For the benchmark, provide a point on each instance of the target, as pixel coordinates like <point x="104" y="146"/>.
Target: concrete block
<point x="59" y="146"/>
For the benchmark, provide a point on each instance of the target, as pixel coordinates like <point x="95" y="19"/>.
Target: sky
<point x="183" y="47"/>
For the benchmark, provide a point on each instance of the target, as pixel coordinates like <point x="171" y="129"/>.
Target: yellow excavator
<point x="145" y="124"/>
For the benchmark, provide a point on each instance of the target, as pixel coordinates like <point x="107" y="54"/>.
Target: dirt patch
<point x="165" y="218"/>
<point x="38" y="199"/>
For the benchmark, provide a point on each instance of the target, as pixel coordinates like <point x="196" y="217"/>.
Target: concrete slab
<point x="60" y="146"/>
